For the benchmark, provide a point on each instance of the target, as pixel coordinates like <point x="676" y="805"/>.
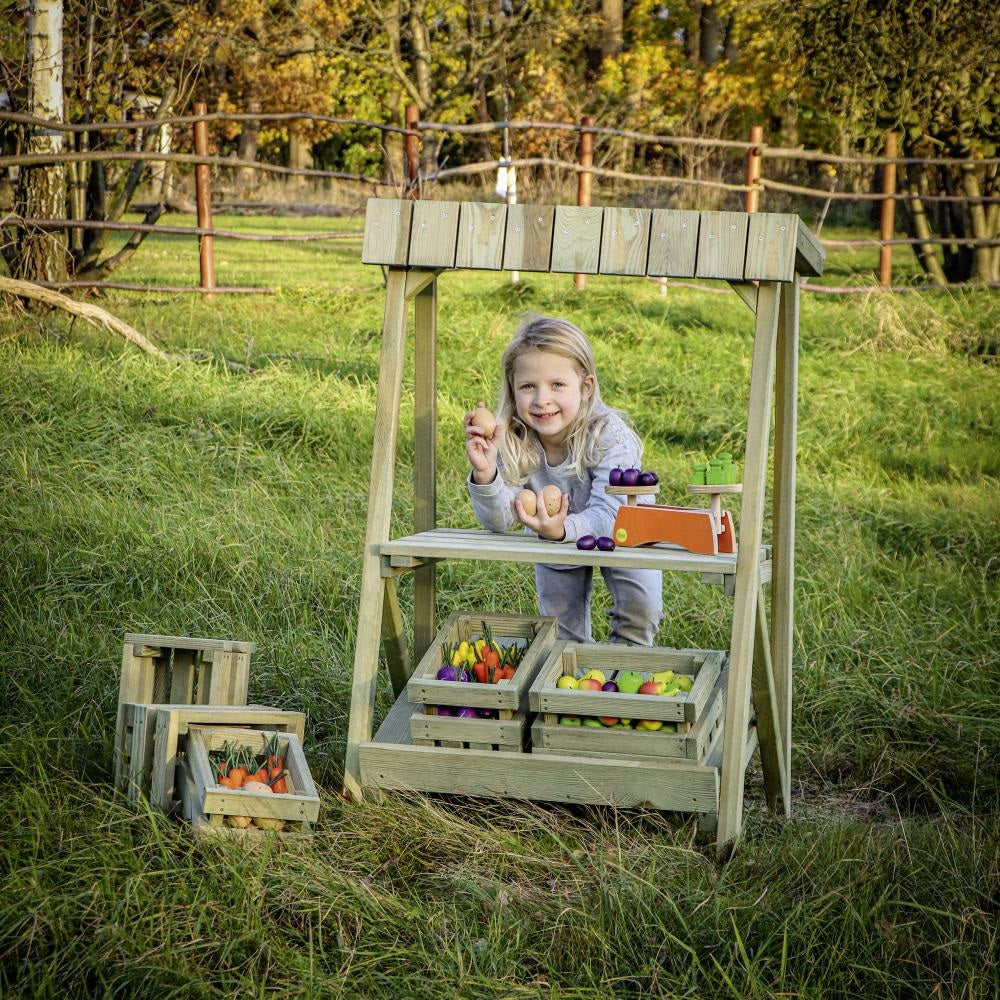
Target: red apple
<point x="650" y="687"/>
<point x="589" y="684"/>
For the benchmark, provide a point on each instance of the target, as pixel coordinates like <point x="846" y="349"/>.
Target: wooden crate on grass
<point x="576" y="659"/>
<point x="438" y="730"/>
<point x="205" y="803"/>
<point x="535" y="635"/>
<point x="151" y="739"/>
<point x="692" y="745"/>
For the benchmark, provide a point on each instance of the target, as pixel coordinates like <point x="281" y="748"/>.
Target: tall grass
<point x="198" y="499"/>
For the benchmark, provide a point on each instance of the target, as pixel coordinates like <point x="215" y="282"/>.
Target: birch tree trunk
<point x="41" y="255"/>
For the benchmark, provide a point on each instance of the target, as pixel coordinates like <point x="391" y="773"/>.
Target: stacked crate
<point x="169" y="687"/>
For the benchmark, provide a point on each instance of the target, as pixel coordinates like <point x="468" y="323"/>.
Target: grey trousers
<point x="564" y="592"/>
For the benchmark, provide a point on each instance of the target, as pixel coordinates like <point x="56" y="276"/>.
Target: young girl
<point x="553" y="428"/>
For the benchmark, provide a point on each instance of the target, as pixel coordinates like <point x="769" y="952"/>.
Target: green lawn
<point x="204" y="499"/>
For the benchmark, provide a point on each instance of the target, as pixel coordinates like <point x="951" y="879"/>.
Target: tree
<point x="928" y="69"/>
<point x="38" y="254"/>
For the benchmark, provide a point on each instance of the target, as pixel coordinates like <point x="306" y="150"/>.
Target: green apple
<point x="569" y="720"/>
<point x="589" y="720"/>
<point x="629" y="681"/>
<point x="566" y="681"/>
<point x="685" y="681"/>
<point x="669" y="727"/>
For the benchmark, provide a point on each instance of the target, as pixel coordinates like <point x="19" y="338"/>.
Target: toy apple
<point x="629" y="681"/>
<point x="685" y="682"/>
<point x="596" y="674"/>
<point x="566" y="681"/>
<point x="588" y="684"/>
<point x="589" y="720"/>
<point x="607" y="720"/>
<point x="649" y="725"/>
<point x="569" y="720"/>
<point x="651" y="687"/>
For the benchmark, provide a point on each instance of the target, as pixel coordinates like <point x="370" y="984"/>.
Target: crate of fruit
<point x="615" y="737"/>
<point x="468" y="728"/>
<point x="648" y="687"/>
<point x="247" y="779"/>
<point x="482" y="662"/>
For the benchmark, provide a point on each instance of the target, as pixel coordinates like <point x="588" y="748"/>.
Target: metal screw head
<point x="517" y="229"/>
<point x="711" y="236"/>
<point x="539" y="218"/>
<point x="636" y="223"/>
<point x="492" y="218"/>
<point x="444" y="215"/>
<point x="733" y="226"/>
<point x="684" y="225"/>
<point x="396" y="213"/>
<point x="782" y="228"/>
<point x="760" y="239"/>
<point x="614" y="232"/>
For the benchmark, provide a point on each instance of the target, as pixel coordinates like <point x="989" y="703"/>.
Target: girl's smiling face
<point x="548" y="392"/>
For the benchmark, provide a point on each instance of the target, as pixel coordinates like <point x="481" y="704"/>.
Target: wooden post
<point x="412" y="148"/>
<point x="585" y="181"/>
<point x="751" y="201"/>
<point x="888" y="215"/>
<point x="203" y="197"/>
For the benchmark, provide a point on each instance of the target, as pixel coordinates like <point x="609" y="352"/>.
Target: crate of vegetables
<point x="482" y="662"/>
<point x="645" y="689"/>
<point x="247" y="779"/>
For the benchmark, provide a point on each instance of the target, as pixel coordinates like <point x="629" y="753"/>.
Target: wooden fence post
<point x="412" y="149"/>
<point x="888" y="214"/>
<point x="203" y="198"/>
<point x="751" y="201"/>
<point x="585" y="180"/>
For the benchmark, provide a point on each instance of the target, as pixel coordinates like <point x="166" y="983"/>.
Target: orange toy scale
<point x="691" y="528"/>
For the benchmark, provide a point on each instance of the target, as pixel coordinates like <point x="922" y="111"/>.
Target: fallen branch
<point x="92" y="314"/>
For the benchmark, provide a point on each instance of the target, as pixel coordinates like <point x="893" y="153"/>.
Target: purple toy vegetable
<point x="609" y="686"/>
<point x="615" y="477"/>
<point x="586" y="542"/>
<point x="648" y="478"/>
<point x="606" y="544"/>
<point x="445" y="710"/>
<point x="447" y="674"/>
<point x="630" y="477"/>
<point x="467" y="713"/>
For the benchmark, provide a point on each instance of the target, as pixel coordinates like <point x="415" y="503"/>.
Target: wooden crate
<point x="693" y="745"/>
<point x="576" y="659"/>
<point x="152" y="737"/>
<point x="204" y="801"/>
<point x="509" y="696"/>
<point x="434" y="730"/>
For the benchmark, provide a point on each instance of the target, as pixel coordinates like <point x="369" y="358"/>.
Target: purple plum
<point x="586" y="542"/>
<point x="615" y="477"/>
<point x="606" y="544"/>
<point x="630" y="477"/>
<point x="609" y="686"/>
<point x="648" y="478"/>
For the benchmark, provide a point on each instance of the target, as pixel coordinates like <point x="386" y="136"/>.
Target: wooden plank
<point x="511" y="732"/>
<point x="747" y="291"/>
<point x="668" y="785"/>
<point x="513" y="546"/>
<point x="809" y="253"/>
<point x="434" y="234"/>
<point x="394" y="638"/>
<point x="576" y="240"/>
<point x="481" y="228"/>
<point x="528" y="239"/>
<point x="673" y="243"/>
<point x="625" y="240"/>
<point x="383" y="469"/>
<point x="722" y="244"/>
<point x="770" y="252"/>
<point x="186" y="642"/>
<point x="747" y="571"/>
<point x="387" y="231"/>
<point x="772" y="754"/>
<point x="182" y="676"/>
<point x="425" y="462"/>
<point x="783" y="517"/>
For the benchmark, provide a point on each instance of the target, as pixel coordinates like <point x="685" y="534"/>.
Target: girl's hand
<point x="482" y="451"/>
<point x="544" y="524"/>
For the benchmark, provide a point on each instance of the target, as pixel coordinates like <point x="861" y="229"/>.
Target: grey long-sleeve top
<point x="591" y="510"/>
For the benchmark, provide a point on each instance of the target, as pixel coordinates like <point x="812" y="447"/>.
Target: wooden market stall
<point x="761" y="256"/>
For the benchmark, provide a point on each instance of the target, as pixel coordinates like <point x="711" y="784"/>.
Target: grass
<point x="201" y="500"/>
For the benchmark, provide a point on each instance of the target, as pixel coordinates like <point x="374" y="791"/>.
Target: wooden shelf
<point x="494" y="546"/>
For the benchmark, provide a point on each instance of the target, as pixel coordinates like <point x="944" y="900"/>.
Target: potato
<point x="257" y="786"/>
<point x="484" y="419"/>
<point x="529" y="501"/>
<point x="552" y="498"/>
<point x="270" y="823"/>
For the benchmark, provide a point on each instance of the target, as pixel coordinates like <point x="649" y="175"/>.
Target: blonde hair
<point x="520" y="449"/>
